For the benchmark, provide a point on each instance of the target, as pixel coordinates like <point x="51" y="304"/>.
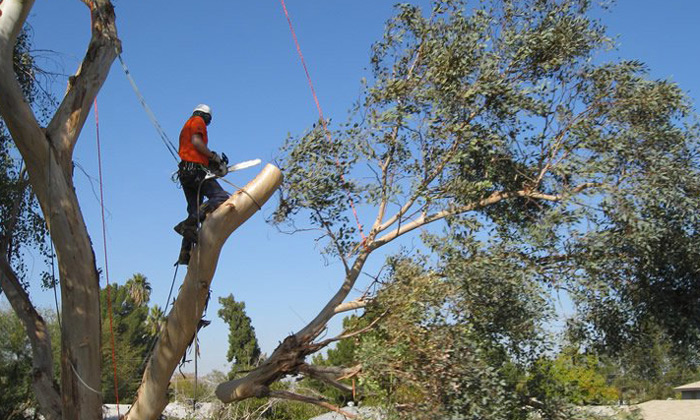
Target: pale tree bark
<point x="40" y="339"/>
<point x="42" y="357"/>
<point x="48" y="157"/>
<point x="189" y="306"/>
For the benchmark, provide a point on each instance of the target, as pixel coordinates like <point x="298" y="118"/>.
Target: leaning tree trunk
<point x="189" y="306"/>
<point x="48" y="157"/>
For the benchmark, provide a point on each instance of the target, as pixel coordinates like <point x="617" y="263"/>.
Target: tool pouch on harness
<point x="190" y="173"/>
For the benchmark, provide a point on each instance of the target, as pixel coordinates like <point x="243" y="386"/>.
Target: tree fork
<point x="48" y="156"/>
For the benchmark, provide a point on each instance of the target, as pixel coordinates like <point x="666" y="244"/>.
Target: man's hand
<point x="217" y="165"/>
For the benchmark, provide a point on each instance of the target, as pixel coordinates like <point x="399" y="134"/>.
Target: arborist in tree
<point x="196" y="173"/>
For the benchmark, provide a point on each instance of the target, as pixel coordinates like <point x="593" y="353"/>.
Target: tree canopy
<point x="552" y="169"/>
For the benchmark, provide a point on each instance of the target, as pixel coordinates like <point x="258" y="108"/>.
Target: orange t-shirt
<point x="187" y="152"/>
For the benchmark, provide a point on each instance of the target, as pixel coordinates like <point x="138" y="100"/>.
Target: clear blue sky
<point x="239" y="58"/>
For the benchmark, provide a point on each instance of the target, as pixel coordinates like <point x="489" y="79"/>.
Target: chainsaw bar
<point x="244" y="165"/>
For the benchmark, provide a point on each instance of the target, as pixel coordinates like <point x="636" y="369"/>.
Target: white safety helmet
<point x="203" y="108"/>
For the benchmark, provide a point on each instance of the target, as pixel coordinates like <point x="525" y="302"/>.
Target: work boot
<point x="205" y="209"/>
<point x="188" y="229"/>
<point x="184" y="257"/>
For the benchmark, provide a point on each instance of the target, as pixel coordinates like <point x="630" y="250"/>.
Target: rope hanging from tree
<point x="320" y="115"/>
<point x="104" y="244"/>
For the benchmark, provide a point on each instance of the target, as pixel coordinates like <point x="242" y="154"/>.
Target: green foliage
<point x="29" y="230"/>
<point x="243" y="349"/>
<point x="17" y="401"/>
<point x="650" y="368"/>
<point x="571" y="377"/>
<point x="133" y="337"/>
<point x="551" y="170"/>
<point x="15" y="368"/>
<point x="652" y="230"/>
<point x="424" y="357"/>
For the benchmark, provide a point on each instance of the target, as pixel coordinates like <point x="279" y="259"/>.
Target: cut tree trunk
<point x="189" y="306"/>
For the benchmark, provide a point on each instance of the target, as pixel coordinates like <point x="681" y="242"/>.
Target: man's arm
<point x="198" y="143"/>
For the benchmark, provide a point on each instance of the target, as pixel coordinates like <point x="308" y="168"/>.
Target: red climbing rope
<point x="104" y="243"/>
<point x="320" y="112"/>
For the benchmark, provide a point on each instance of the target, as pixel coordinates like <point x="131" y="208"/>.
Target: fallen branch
<point x="311" y="400"/>
<point x="324" y="343"/>
<point x="331" y="375"/>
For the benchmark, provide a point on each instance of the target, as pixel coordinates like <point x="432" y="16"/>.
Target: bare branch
<point x="311" y="400"/>
<point x="494" y="198"/>
<point x="426" y="181"/>
<point x="20" y="121"/>
<point x="39" y="339"/>
<point x="390" y="155"/>
<point x="331" y="375"/>
<point x="345" y="335"/>
<point x="352" y="305"/>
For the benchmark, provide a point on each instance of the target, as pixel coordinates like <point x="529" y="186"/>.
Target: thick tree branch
<point x="310" y="331"/>
<point x="39" y="339"/>
<point x="494" y="198"/>
<point x="352" y="305"/>
<point x="49" y="164"/>
<point x="68" y="121"/>
<point x="188" y="307"/>
<point x="16" y="112"/>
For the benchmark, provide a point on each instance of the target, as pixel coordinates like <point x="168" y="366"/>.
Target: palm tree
<point x="139" y="289"/>
<point x="155" y="320"/>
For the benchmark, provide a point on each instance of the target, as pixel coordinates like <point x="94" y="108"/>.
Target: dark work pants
<point x="196" y="187"/>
